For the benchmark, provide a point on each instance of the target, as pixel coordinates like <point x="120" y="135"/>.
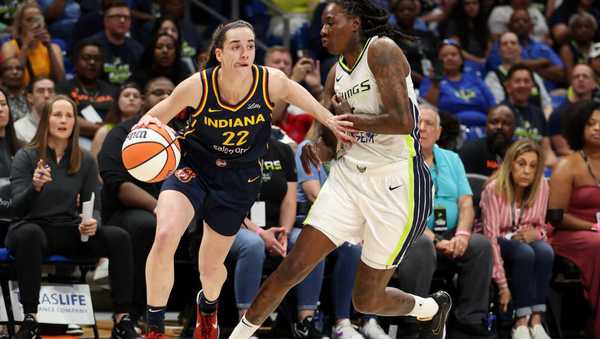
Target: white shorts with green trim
<point x="385" y="208"/>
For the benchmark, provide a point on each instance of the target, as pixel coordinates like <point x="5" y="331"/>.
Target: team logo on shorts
<point x="185" y="174"/>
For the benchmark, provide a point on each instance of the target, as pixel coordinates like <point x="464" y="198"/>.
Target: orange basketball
<point x="151" y="154"/>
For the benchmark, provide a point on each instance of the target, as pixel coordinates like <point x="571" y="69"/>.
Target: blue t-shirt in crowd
<point x="469" y="93"/>
<point x="533" y="50"/>
<point x="316" y="174"/>
<point x="450" y="182"/>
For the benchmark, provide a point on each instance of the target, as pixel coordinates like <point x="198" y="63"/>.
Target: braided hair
<point x="374" y="19"/>
<point x="218" y="38"/>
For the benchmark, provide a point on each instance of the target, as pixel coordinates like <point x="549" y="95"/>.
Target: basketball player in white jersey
<point x="379" y="191"/>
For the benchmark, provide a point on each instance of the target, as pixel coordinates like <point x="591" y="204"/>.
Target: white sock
<point x="425" y="308"/>
<point x="243" y="330"/>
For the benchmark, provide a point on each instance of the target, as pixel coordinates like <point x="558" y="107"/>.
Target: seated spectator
<point x="31" y="44"/>
<point x="128" y="104"/>
<point x="39" y="93"/>
<point x="421" y="53"/>
<point x="162" y="57"/>
<point x="61" y="16"/>
<point x="510" y="53"/>
<point x="535" y="54"/>
<point x="86" y="89"/>
<point x="559" y="20"/>
<point x="48" y="178"/>
<point x="530" y="120"/>
<point x="513" y="206"/>
<point x="583" y="87"/>
<point x="11" y="76"/>
<point x="9" y="145"/>
<point x="170" y="25"/>
<point x="127" y="202"/>
<point x="467" y="24"/>
<point x="484" y="156"/>
<point x="292" y="120"/>
<point x="121" y="53"/>
<point x="576" y="50"/>
<point x="575" y="190"/>
<point x="453" y="90"/>
<point x="448" y="236"/>
<point x="500" y="16"/>
<point x="278" y="200"/>
<point x="189" y="35"/>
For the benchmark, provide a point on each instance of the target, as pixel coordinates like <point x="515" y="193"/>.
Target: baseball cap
<point x="595" y="50"/>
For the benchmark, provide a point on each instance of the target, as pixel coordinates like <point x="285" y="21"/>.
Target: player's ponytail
<point x="373" y="18"/>
<point x="218" y="39"/>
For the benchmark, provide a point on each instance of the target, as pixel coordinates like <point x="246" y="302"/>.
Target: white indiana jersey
<point x="359" y="88"/>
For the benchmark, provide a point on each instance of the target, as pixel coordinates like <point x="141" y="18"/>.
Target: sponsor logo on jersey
<point x="253" y="106"/>
<point x="358" y="88"/>
<point x="246" y="121"/>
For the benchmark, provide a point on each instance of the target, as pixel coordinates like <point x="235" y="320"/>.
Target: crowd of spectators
<point x="520" y="77"/>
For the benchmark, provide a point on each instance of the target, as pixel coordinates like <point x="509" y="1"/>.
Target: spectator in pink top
<point x="575" y="189"/>
<point x="513" y="205"/>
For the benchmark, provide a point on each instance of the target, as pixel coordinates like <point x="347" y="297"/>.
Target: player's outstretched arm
<point x="282" y="88"/>
<point x="390" y="68"/>
<point x="187" y="93"/>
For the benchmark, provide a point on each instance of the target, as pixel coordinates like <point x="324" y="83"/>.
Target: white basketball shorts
<point x="384" y="207"/>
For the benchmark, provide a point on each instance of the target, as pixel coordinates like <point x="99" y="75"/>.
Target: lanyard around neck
<point x="513" y="214"/>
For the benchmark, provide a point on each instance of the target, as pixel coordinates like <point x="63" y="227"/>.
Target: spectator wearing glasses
<point x="448" y="241"/>
<point x="86" y="89"/>
<point x="121" y="53"/>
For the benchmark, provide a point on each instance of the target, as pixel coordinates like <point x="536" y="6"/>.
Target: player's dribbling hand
<point x="147" y="120"/>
